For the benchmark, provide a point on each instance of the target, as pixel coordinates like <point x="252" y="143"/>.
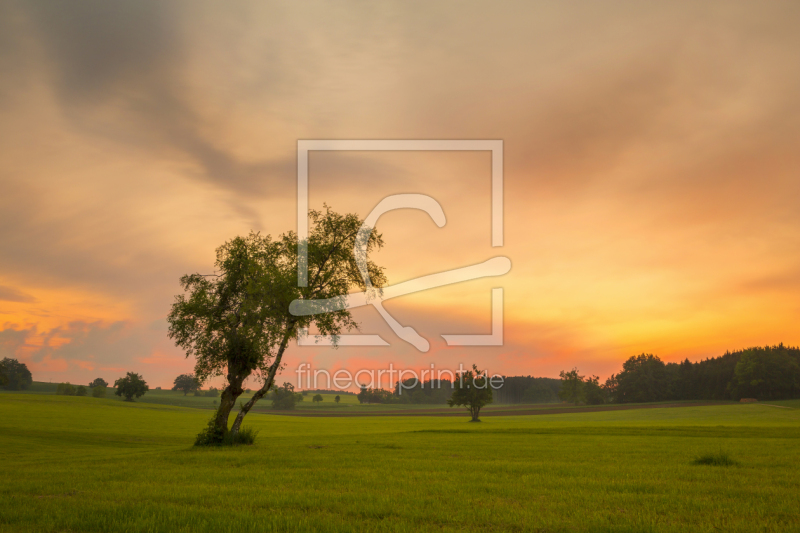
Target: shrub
<point x="214" y="436"/>
<point x="211" y="435"/>
<point x="719" y="458"/>
<point x="80" y="391"/>
<point x="99" y="391"/>
<point x="212" y="392"/>
<point x="66" y="389"/>
<point x="246" y="436"/>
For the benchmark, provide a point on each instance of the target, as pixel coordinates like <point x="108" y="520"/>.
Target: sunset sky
<point x="652" y="171"/>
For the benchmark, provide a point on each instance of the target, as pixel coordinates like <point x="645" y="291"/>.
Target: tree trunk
<point x="228" y="400"/>
<point x="260" y="393"/>
<point x="475" y="411"/>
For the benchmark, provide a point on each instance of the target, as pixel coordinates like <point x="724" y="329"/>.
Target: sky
<point x="651" y="172"/>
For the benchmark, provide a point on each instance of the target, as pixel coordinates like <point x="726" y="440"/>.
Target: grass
<point x="719" y="458"/>
<point x="348" y="403"/>
<point x="83" y="464"/>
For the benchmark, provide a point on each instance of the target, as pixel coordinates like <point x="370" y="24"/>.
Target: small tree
<point x="285" y="397"/>
<point x="317" y="398"/>
<point x="16" y="375"/>
<point x="363" y="395"/>
<point x="131" y="386"/>
<point x="212" y="392"/>
<point x="186" y="383"/>
<point x="472" y="391"/>
<point x="81" y="391"/>
<point x="337" y="399"/>
<point x="571" y="386"/>
<point x="98" y="382"/>
<point x="99" y="391"/>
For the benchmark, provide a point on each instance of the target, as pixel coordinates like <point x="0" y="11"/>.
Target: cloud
<point x="119" y="70"/>
<point x="650" y="164"/>
<point x="105" y="348"/>
<point x="11" y="340"/>
<point x="11" y="294"/>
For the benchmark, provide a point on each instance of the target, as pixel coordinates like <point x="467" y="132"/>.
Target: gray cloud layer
<point x="652" y="136"/>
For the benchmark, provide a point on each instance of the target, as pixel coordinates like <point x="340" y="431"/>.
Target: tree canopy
<point x="131" y="386"/>
<point x="14" y="375"/>
<point x="186" y="383"/>
<point x="571" y="386"/>
<point x="766" y="374"/>
<point x="644" y="378"/>
<point x="98" y="382"/>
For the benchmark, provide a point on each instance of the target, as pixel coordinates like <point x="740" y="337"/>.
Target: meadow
<point x="86" y="464"/>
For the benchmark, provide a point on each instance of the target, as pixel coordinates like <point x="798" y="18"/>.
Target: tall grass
<point x="245" y="436"/>
<point x="720" y="458"/>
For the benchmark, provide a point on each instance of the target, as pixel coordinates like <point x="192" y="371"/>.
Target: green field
<point x="177" y="398"/>
<point x="83" y="464"/>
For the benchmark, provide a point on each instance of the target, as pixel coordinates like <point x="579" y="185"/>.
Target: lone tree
<point x="186" y="383"/>
<point x="99" y="391"/>
<point x="337" y="399"/>
<point x="317" y="398"/>
<point x="98" y="382"/>
<point x="236" y="322"/>
<point x="131" y="386"/>
<point x="472" y="391"/>
<point x="14" y="375"/>
<point x="285" y="397"/>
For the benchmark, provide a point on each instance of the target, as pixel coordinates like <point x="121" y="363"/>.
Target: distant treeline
<point x="768" y="373"/>
<point x="527" y="389"/>
<point x="326" y="391"/>
<point x="515" y="389"/>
